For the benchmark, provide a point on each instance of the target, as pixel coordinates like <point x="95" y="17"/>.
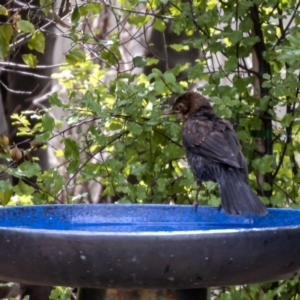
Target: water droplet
<point x="111" y="269"/>
<point x="83" y="257"/>
<point x="171" y="278"/>
<point x="206" y="258"/>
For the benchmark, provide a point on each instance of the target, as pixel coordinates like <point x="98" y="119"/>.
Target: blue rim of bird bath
<point x="140" y="219"/>
<point x="146" y="246"/>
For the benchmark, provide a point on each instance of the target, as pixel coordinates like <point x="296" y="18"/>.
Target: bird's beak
<point x="168" y="112"/>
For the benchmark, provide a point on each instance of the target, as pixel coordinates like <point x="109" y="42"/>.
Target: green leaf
<point x="250" y="40"/>
<point x="46" y="6"/>
<point x="246" y="24"/>
<point x="75" y="55"/>
<point x="195" y="72"/>
<point x="216" y="100"/>
<point x="172" y="151"/>
<point x="90" y="7"/>
<point x="52" y="180"/>
<point x="54" y="100"/>
<point x="138" y="20"/>
<point x="37" y="42"/>
<point x="134" y="128"/>
<point x="295" y="39"/>
<point x="234" y="37"/>
<point x="264" y="164"/>
<point x="48" y="122"/>
<point x="75" y="17"/>
<point x="287" y="119"/>
<point x="23" y="189"/>
<point x="5" y="196"/>
<point x="5" y="185"/>
<point x="230" y="64"/>
<point x="169" y="77"/>
<point x="30" y="60"/>
<point x="7" y="31"/>
<point x="26" y="169"/>
<point x="139" y="61"/>
<point x="138" y="169"/>
<point x="56" y="293"/>
<point x="227" y="112"/>
<point x="71" y="149"/>
<point x="26" y="26"/>
<point x="159" y="86"/>
<point x="159" y="25"/>
<point x="5" y="192"/>
<point x="277" y="199"/>
<point x="4" y="46"/>
<point x="267" y="76"/>
<point x="3" y="10"/>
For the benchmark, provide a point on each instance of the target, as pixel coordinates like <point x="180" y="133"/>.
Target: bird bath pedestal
<point x="146" y="246"/>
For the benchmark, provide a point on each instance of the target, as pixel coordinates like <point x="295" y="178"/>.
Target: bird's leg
<point x="196" y="201"/>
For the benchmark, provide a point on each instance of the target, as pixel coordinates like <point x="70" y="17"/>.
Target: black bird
<point x="213" y="152"/>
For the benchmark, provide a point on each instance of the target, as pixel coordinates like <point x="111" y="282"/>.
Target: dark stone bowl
<point x="146" y="246"/>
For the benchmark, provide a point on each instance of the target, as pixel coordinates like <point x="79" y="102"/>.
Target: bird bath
<point x="146" y="246"/>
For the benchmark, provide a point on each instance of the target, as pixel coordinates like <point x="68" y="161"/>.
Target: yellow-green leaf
<point x="3" y="10"/>
<point x="159" y="25"/>
<point x="37" y="42"/>
<point x="4" y="46"/>
<point x="5" y="197"/>
<point x="7" y="31"/>
<point x="30" y="60"/>
<point x="5" y="191"/>
<point x="25" y="26"/>
<point x="179" y="47"/>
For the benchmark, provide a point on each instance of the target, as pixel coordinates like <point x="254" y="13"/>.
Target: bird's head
<point x="186" y="104"/>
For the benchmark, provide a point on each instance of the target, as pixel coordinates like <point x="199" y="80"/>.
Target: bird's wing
<point x="214" y="140"/>
<point x="234" y="144"/>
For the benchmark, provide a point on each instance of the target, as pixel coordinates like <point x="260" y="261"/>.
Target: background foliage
<point x="111" y="131"/>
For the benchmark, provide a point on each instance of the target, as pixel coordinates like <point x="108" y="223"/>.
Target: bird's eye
<point x="180" y="106"/>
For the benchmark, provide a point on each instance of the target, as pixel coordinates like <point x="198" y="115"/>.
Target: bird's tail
<point x="237" y="197"/>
